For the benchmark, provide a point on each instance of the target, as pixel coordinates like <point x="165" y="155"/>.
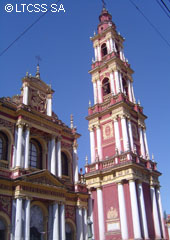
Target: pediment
<point x="43" y="178"/>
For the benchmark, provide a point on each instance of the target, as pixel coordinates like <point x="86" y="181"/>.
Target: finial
<point x="94" y="32"/>
<point x="152" y="157"/>
<point x="139" y="102"/>
<point x="86" y="159"/>
<point x="27" y="74"/>
<point x="71" y="121"/>
<point x="104" y="4"/>
<point x="38" y="67"/>
<point x="89" y="103"/>
<point x="93" y="60"/>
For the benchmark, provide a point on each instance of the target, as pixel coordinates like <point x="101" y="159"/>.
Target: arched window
<point x="104" y="49"/>
<point x="36" y="223"/>
<point x="35" y="154"/>
<point x="2" y="230"/>
<point x="125" y="87"/>
<point x="106" y="86"/>
<point x="69" y="232"/>
<point x="3" y="146"/>
<point x="65" y="161"/>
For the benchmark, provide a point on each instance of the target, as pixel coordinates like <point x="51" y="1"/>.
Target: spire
<point x="104" y="4"/>
<point x="71" y="121"/>
<point x="37" y="75"/>
<point x="105" y="19"/>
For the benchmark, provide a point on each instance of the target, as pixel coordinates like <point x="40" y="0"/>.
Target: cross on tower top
<point x="38" y="59"/>
<point x="104" y="4"/>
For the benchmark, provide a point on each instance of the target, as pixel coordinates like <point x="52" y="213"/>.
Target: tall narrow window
<point x="104" y="49"/>
<point x="106" y="86"/>
<point x="125" y="87"/>
<point x="35" y="154"/>
<point x="64" y="160"/>
<point x="3" y="146"/>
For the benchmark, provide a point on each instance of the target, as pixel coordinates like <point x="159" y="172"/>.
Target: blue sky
<point x="63" y="42"/>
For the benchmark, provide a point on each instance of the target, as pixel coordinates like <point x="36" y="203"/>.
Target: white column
<point x="146" y="143"/>
<point x="27" y="219"/>
<point x="121" y="83"/>
<point x="99" y="143"/>
<point x="133" y="93"/>
<point x="117" y="81"/>
<point x="15" y="148"/>
<point x="18" y="219"/>
<point x="99" y="88"/>
<point x="53" y="156"/>
<point x="12" y="235"/>
<point x="55" y="222"/>
<point x="95" y="92"/>
<point x="75" y="164"/>
<point x="155" y="213"/>
<point x="143" y="210"/>
<point x="92" y="145"/>
<point x="79" y="224"/>
<point x="50" y="222"/>
<point x="130" y="134"/>
<point x="135" y="210"/>
<point x="95" y="53"/>
<point x="49" y="106"/>
<point x="108" y="46"/>
<point x="27" y="140"/>
<point x="122" y="210"/>
<point x="130" y="91"/>
<point x="25" y="95"/>
<point x="99" y="53"/>
<point x="59" y="157"/>
<point x="117" y="135"/>
<point x="113" y="90"/>
<point x="100" y="214"/>
<point x="90" y="210"/>
<point x="142" y="147"/>
<point x="85" y="232"/>
<point x="19" y="146"/>
<point x="158" y="195"/>
<point x="49" y="155"/>
<point x="111" y="44"/>
<point x="125" y="134"/>
<point x="62" y="230"/>
<point x="169" y="231"/>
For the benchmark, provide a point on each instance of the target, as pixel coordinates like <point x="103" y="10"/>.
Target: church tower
<point x="125" y="200"/>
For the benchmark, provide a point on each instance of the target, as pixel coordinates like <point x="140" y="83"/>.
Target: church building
<point x="42" y="194"/>
<point x="122" y="180"/>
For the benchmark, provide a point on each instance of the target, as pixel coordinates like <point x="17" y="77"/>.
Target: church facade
<point x="123" y="181"/>
<point x="42" y="194"/>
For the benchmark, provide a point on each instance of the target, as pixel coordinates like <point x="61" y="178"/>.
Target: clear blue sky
<point x="62" y="41"/>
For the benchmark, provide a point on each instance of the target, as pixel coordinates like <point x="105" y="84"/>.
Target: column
<point x="125" y="134"/>
<point x="19" y="145"/>
<point x="142" y="147"/>
<point x="62" y="214"/>
<point x="158" y="195"/>
<point x="25" y="94"/>
<point x="55" y="222"/>
<point x="79" y="223"/>
<point x="59" y="157"/>
<point x="117" y="81"/>
<point x="85" y="232"/>
<point x="155" y="213"/>
<point x="50" y="222"/>
<point x="117" y="135"/>
<point x="99" y="91"/>
<point x="92" y="145"/>
<point x="49" y="155"/>
<point x="90" y="210"/>
<point x="122" y="210"/>
<point x="49" y="105"/>
<point x="135" y="210"/>
<point x="121" y="83"/>
<point x="53" y="156"/>
<point x="95" y="53"/>
<point x="27" y="140"/>
<point x="146" y="143"/>
<point x="100" y="214"/>
<point x="111" y="44"/>
<point x="113" y="90"/>
<point x="15" y="148"/>
<point x="12" y="235"/>
<point x="75" y="163"/>
<point x="95" y="92"/>
<point x="99" y="144"/>
<point x="133" y="93"/>
<point x="130" y="134"/>
<point x="18" y="219"/>
<point x="143" y="210"/>
<point x="27" y="219"/>
<point x="130" y="91"/>
<point x="98" y="53"/>
<point x="108" y="46"/>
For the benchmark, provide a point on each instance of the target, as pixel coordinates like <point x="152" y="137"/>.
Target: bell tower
<point x="125" y="198"/>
